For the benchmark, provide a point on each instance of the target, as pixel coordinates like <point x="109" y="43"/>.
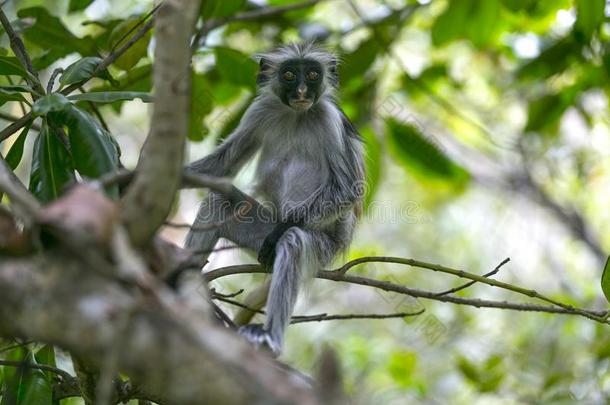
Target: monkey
<point x="309" y="175"/>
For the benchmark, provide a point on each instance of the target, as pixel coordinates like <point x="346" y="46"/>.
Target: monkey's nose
<point x="301" y="90"/>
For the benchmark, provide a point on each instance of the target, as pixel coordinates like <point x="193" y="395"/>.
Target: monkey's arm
<point x="230" y="156"/>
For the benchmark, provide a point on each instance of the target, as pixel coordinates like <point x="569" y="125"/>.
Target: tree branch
<point x="149" y="197"/>
<point x="339" y="275"/>
<point x="468" y="284"/>
<point x="21" y="54"/>
<point x="260" y="13"/>
<point x="171" y="353"/>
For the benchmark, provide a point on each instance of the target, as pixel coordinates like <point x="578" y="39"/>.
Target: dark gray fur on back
<point x="310" y="170"/>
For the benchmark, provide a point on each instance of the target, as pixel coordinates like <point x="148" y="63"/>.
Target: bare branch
<point x="149" y="197"/>
<point x="340" y="276"/>
<point x="464" y="286"/>
<point x="23" y="202"/>
<point x="258" y="14"/>
<point x="172" y="353"/>
<point x="21" y="54"/>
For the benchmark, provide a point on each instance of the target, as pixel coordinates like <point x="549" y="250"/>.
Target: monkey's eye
<point x="288" y="75"/>
<point x="313" y="75"/>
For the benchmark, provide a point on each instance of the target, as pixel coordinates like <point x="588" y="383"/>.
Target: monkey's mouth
<point x="300" y="104"/>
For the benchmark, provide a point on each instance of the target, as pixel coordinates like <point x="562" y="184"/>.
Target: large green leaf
<point x="236" y="67"/>
<point x="554" y="59"/>
<point x="78" y="5"/>
<point x="10" y="65"/>
<point x="356" y="63"/>
<point x="589" y="16"/>
<point x="452" y="22"/>
<point x="52" y="166"/>
<point x="120" y="34"/>
<point x="80" y="70"/>
<point x="477" y="21"/>
<point x="49" y="103"/>
<point x="202" y="103"/>
<point x="51" y="35"/>
<point x="422" y="157"/>
<point x="111" y="96"/>
<point x="483" y="22"/>
<point x="26" y="385"/>
<point x="12" y="93"/>
<point x="606" y="280"/>
<point x="373" y="163"/>
<point x="13" y="157"/>
<point x="220" y="8"/>
<point x="93" y="148"/>
<point x="46" y="355"/>
<point x="545" y="112"/>
<point x="138" y="79"/>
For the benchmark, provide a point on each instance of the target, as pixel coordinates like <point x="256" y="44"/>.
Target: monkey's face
<point x="300" y="83"/>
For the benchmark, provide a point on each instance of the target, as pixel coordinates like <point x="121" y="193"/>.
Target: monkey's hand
<point x="260" y="338"/>
<point x="266" y="255"/>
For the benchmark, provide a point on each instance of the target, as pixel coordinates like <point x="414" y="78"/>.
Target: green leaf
<point x="27" y="385"/>
<point x="545" y="112"/>
<point x="46" y="355"/>
<point x="552" y="60"/>
<point x="50" y="103"/>
<point x="51" y="35"/>
<point x="10" y="65"/>
<point x="93" y="148"/>
<point x="138" y="79"/>
<point x="519" y="5"/>
<point x="589" y="16"/>
<point x="136" y="51"/>
<point x="401" y="367"/>
<point x="111" y="96"/>
<point x="606" y="280"/>
<point x="373" y="160"/>
<point x="483" y="23"/>
<point x="236" y="67"/>
<point x="451" y="24"/>
<point x="356" y="63"/>
<point x="12" y="93"/>
<point x="13" y="157"/>
<point x="421" y="157"/>
<point x="80" y="70"/>
<point x="78" y="5"/>
<point x="52" y="166"/>
<point x="220" y="8"/>
<point x="202" y="103"/>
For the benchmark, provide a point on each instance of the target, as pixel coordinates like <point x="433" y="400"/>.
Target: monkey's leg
<point x="299" y="254"/>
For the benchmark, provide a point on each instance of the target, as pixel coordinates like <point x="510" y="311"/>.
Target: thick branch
<point x="174" y="355"/>
<point x="149" y="197"/>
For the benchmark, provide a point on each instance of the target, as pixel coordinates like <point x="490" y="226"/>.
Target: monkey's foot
<point x="259" y="337"/>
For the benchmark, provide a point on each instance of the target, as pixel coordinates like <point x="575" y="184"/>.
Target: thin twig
<point x="261" y="13"/>
<point x="11" y="363"/>
<point x="19" y="49"/>
<point x="342" y="317"/>
<point x="51" y="81"/>
<point x="468" y="284"/>
<point x="340" y="276"/>
<point x="12" y="118"/>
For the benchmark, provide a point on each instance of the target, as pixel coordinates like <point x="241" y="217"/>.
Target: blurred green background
<point x="487" y="135"/>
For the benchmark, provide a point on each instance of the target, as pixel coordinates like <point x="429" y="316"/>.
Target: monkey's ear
<point x="263" y="71"/>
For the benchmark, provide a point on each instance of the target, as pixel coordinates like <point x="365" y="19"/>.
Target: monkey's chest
<point x="286" y="178"/>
